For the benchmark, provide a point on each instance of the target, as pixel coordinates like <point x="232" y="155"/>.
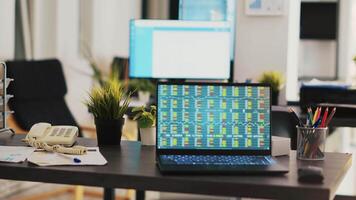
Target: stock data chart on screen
<point x="213" y="117"/>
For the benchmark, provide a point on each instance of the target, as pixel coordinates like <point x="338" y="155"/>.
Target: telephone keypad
<point x="67" y="134"/>
<point x="61" y="132"/>
<point x="55" y="131"/>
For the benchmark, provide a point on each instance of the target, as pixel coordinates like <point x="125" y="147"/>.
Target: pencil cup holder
<point x="311" y="143"/>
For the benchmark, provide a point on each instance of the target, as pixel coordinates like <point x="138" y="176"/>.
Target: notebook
<point x="214" y="128"/>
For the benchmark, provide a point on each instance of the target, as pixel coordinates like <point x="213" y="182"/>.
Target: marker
<point x="324" y="117"/>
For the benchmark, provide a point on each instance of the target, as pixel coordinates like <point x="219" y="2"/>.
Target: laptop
<point x="214" y="128"/>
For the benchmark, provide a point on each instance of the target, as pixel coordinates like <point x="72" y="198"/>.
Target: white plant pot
<point x="144" y="96"/>
<point x="148" y="136"/>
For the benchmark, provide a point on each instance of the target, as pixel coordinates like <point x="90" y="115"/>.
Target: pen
<point x="330" y="116"/>
<point x="75" y="160"/>
<point x="324" y="117"/>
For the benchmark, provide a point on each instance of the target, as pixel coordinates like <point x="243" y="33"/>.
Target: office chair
<point x="284" y="125"/>
<point x="39" y="90"/>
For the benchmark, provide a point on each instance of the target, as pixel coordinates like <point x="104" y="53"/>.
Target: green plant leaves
<point x="109" y="101"/>
<point x="274" y="78"/>
<point x="145" y="119"/>
<point x="142" y="85"/>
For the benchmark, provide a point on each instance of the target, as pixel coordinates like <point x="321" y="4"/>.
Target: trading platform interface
<point x="213" y="117"/>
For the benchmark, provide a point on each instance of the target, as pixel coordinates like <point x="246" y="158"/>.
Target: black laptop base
<point x="274" y="169"/>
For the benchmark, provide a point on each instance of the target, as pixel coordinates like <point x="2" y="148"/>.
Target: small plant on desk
<point x="144" y="87"/>
<point x="276" y="80"/>
<point x="109" y="103"/>
<point x="146" y="120"/>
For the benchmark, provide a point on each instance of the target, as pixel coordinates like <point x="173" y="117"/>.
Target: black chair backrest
<point x="39" y="89"/>
<point x="121" y="65"/>
<point x="284" y="125"/>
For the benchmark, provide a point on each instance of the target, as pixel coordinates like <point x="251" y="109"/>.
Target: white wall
<point x="347" y="41"/>
<point x="267" y="43"/>
<point x="292" y="88"/>
<point x="317" y="58"/>
<point x="44" y="30"/>
<point x="7" y="32"/>
<point x="57" y="31"/>
<point x="109" y="28"/>
<point x="76" y="69"/>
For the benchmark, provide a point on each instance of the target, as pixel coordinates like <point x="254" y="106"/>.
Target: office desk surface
<point x="133" y="166"/>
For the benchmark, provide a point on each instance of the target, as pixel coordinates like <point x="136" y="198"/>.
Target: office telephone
<point x="54" y="138"/>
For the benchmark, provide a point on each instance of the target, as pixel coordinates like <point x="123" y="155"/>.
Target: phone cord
<point x="75" y="150"/>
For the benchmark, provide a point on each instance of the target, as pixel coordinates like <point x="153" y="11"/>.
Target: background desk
<point x="133" y="166"/>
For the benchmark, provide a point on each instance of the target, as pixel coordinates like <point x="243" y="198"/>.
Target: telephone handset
<point x="44" y="132"/>
<point x="54" y="138"/>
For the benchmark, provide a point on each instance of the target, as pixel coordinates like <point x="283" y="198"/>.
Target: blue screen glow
<point x="213" y="117"/>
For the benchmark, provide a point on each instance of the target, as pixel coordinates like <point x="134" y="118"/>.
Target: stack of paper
<point x="326" y="84"/>
<point x="92" y="157"/>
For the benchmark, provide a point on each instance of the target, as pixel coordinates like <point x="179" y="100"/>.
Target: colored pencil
<point x="324" y="117"/>
<point x="316" y="124"/>
<point x="330" y="116"/>
<point x="319" y="113"/>
<point x="310" y="114"/>
<point x="315" y="115"/>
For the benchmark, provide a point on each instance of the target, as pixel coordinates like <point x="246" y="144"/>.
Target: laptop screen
<point x="213" y="117"/>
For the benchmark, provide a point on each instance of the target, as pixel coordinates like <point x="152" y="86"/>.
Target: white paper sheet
<point x="15" y="154"/>
<point x="92" y="157"/>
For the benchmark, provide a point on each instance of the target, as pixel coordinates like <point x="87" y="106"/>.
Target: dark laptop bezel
<point x="208" y="151"/>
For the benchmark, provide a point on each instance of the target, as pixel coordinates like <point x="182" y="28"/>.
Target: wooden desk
<point x="133" y="166"/>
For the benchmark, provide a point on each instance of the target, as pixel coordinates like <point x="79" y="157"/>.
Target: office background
<point x="38" y="29"/>
<point x="46" y="29"/>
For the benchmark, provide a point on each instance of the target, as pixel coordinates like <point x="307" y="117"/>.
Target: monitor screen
<point x="179" y="49"/>
<point x="225" y="117"/>
<point x="212" y="10"/>
<point x="318" y="20"/>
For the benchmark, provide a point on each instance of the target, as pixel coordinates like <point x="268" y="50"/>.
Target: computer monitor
<point x="318" y="20"/>
<point x="211" y="116"/>
<point x="211" y="10"/>
<point x="175" y="49"/>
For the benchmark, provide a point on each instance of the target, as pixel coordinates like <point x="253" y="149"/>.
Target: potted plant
<point x="108" y="104"/>
<point x="144" y="87"/>
<point x="276" y="80"/>
<point x="147" y="123"/>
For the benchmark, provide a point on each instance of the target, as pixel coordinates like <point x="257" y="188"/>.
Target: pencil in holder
<point x="311" y="143"/>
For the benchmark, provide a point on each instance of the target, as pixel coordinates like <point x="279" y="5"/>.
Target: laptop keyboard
<point x="216" y="160"/>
